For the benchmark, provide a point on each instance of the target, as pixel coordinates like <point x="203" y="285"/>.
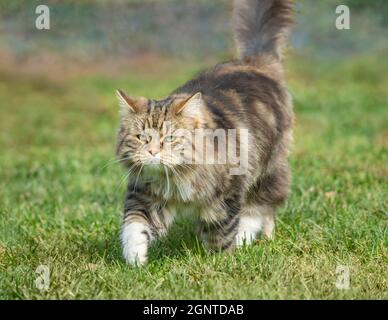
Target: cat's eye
<point x="142" y="137"/>
<point x="169" y="139"/>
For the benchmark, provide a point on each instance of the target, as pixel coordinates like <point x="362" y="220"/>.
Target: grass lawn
<point x="60" y="206"/>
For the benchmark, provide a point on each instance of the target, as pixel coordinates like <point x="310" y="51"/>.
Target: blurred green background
<point x="61" y="201"/>
<point x="93" y="30"/>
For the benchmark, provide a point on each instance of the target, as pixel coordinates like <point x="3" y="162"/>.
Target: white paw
<point x="135" y="243"/>
<point x="248" y="229"/>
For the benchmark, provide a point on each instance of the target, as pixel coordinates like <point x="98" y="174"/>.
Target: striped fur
<point x="262" y="26"/>
<point x="247" y="93"/>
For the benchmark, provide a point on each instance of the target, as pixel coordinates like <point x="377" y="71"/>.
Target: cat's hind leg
<point x="254" y="219"/>
<point x="259" y="210"/>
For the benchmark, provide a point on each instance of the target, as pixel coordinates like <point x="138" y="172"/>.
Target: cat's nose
<point x="153" y="151"/>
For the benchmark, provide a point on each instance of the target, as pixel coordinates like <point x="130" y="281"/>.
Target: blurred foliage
<point x="377" y="8"/>
<point x="362" y="4"/>
<point x="181" y="28"/>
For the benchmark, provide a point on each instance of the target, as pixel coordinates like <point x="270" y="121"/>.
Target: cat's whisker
<point x="177" y="176"/>
<point x="114" y="161"/>
<point x="137" y="178"/>
<point x="168" y="182"/>
<point x="109" y="162"/>
<point x="126" y="176"/>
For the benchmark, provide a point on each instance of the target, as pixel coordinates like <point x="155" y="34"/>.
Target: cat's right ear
<point x="127" y="105"/>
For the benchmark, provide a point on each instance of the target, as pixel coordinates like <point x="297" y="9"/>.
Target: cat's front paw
<point x="135" y="255"/>
<point x="135" y="244"/>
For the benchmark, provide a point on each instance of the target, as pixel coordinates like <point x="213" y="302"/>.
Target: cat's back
<point x="244" y="94"/>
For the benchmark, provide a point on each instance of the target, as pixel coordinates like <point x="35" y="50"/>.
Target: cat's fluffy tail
<point x="262" y="26"/>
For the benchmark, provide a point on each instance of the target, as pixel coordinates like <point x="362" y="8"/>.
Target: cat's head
<point x="156" y="133"/>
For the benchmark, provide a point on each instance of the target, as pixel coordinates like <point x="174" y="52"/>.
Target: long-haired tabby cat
<point x="248" y="94"/>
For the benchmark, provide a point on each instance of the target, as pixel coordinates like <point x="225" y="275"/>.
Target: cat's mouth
<point x="153" y="162"/>
<point x="153" y="169"/>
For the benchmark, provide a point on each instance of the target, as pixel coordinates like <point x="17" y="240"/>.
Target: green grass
<point x="60" y="207"/>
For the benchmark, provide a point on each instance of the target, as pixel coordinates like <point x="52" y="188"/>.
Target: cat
<point x="247" y="94"/>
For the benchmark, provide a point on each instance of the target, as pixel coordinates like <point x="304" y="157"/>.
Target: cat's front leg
<point x="137" y="231"/>
<point x="136" y="236"/>
<point x="145" y="220"/>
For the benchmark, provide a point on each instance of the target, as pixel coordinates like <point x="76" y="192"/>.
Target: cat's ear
<point x="191" y="107"/>
<point x="127" y="104"/>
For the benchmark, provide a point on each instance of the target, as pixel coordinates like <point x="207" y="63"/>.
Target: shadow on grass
<point x="181" y="238"/>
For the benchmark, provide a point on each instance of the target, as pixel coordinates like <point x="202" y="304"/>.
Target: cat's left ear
<point x="191" y="107"/>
